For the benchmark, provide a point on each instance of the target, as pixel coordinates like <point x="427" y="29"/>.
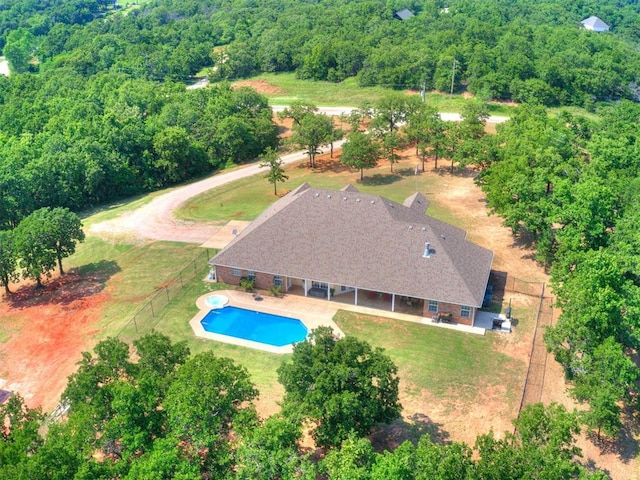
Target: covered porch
<point x="355" y="296"/>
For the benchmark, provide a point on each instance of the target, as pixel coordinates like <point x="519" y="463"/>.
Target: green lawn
<point x="444" y="362"/>
<point x="245" y="199"/>
<point x="349" y="93"/>
<point x="131" y="273"/>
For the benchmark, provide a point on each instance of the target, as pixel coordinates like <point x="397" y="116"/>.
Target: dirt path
<point x="155" y="220"/>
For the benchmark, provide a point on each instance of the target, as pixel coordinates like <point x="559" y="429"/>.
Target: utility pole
<point x="423" y="92"/>
<point x="453" y="74"/>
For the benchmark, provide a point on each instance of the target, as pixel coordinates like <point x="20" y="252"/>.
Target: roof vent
<point x="372" y="202"/>
<point x="410" y="227"/>
<point x="424" y="229"/>
<point x="317" y="195"/>
<point x="358" y="200"/>
<point x="344" y="198"/>
<point x="427" y="250"/>
<point x="328" y="196"/>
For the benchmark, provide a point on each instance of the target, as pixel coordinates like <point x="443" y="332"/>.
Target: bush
<point x="276" y="290"/>
<point x="247" y="284"/>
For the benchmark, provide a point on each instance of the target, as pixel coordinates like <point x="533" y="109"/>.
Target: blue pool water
<point x="256" y="326"/>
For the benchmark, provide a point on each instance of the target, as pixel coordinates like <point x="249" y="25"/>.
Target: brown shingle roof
<point x="366" y="241"/>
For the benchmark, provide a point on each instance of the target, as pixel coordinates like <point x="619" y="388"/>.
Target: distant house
<point x="403" y="14"/>
<point x="595" y="24"/>
<point x="328" y="243"/>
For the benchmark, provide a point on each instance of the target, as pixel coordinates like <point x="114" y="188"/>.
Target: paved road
<point x="155" y="220"/>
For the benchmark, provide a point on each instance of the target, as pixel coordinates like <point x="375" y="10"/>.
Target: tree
<point x="19" y="435"/>
<point x="270" y="450"/>
<point x="66" y="232"/>
<point x="275" y="174"/>
<point x="353" y="460"/>
<point x="178" y="158"/>
<point x="392" y="110"/>
<point x="19" y="48"/>
<point x="207" y="399"/>
<point x="342" y="385"/>
<point x="312" y="132"/>
<point x="33" y="240"/>
<point x="8" y="260"/>
<point x="360" y="151"/>
<point x="426" y="128"/>
<point x="297" y="110"/>
<point x="391" y="141"/>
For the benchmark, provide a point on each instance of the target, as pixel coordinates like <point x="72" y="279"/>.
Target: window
<point x="324" y="286"/>
<point x="236" y="272"/>
<point x="251" y="275"/>
<point x="433" y="306"/>
<point x="277" y="280"/>
<point x="465" y="311"/>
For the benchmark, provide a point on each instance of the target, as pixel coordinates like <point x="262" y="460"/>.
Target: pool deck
<point x="313" y="312"/>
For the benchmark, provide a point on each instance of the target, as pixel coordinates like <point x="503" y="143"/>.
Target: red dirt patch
<point x="51" y="327"/>
<point x="260" y="86"/>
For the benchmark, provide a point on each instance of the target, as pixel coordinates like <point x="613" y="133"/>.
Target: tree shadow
<point x="332" y="165"/>
<point x="457" y="172"/>
<point x="624" y="445"/>
<point x="409" y="172"/>
<point x="77" y="283"/>
<point x="389" y="437"/>
<point x="380" y="179"/>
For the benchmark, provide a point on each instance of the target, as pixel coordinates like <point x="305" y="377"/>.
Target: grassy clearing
<point x="132" y="273"/>
<point x="288" y="88"/>
<point x="443" y="362"/>
<point x="247" y="198"/>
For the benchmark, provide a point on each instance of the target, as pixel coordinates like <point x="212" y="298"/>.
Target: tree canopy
<point x="342" y="385"/>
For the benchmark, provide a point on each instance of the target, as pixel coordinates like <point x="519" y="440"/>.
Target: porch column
<point x="328" y="291"/>
<point x="356" y="297"/>
<point x="305" y="287"/>
<point x="393" y="302"/>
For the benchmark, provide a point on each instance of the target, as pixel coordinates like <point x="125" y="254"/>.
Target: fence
<point x="534" y="381"/>
<point x="508" y="283"/>
<point x="147" y="316"/>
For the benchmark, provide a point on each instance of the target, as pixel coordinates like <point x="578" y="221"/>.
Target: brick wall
<point x="451" y="308"/>
<point x="223" y="274"/>
<point x="263" y="280"/>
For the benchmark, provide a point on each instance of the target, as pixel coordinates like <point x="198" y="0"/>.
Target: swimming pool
<point x="255" y="326"/>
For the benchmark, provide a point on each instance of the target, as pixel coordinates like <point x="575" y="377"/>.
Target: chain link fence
<point x="146" y="318"/>
<point x="534" y="379"/>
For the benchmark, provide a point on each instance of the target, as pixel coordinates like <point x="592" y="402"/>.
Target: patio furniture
<point x="444" y="317"/>
<point x="317" y="292"/>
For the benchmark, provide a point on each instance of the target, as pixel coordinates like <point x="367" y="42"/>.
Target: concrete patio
<point x="314" y="312"/>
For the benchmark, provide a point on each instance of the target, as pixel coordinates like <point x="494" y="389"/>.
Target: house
<point x="328" y="243"/>
<point x="595" y="24"/>
<point x="403" y="14"/>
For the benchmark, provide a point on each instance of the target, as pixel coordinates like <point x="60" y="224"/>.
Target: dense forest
<point x="169" y="414"/>
<point x="93" y="109"/>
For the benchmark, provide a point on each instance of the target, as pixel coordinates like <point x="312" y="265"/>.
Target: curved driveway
<point x="155" y="220"/>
